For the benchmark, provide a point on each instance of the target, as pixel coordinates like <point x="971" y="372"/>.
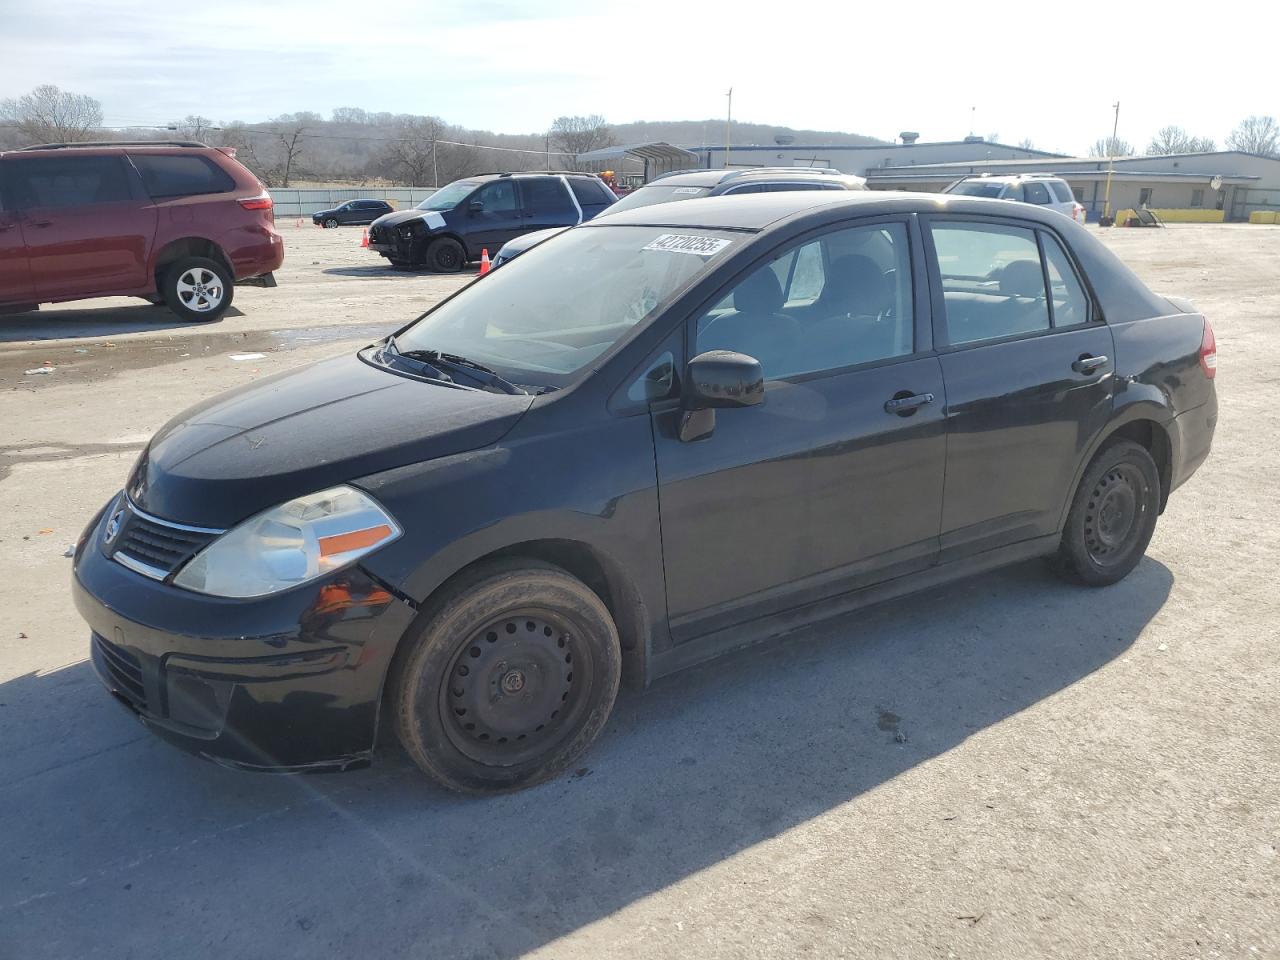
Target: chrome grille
<point x="155" y="547"/>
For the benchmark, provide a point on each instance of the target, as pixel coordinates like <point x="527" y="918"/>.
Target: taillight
<point x="1208" y="352"/>
<point x="260" y="202"/>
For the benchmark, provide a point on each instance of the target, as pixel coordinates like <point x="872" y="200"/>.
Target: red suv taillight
<point x="260" y="202"/>
<point x="1209" y="352"/>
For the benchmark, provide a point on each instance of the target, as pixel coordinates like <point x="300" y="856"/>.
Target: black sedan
<point x="753" y="413"/>
<point x="352" y="213"/>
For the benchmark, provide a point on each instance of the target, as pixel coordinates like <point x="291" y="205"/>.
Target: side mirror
<point x="476" y="206"/>
<point x="722" y="378"/>
<point x="717" y="379"/>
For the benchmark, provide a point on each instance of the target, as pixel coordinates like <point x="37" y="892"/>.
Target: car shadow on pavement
<point x="133" y="317"/>
<point x="120" y="844"/>
<point x="387" y="270"/>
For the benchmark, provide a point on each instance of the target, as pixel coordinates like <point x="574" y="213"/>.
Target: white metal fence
<point x="304" y="201"/>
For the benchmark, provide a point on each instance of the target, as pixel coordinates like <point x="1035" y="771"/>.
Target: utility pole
<point x="1111" y="161"/>
<point x="728" y="120"/>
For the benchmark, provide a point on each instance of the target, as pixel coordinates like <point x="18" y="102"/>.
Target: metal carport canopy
<point x="657" y="157"/>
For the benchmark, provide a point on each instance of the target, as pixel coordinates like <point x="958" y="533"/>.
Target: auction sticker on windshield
<point x="684" y="243"/>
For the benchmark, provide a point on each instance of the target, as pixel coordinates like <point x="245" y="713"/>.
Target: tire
<point x="1112" y="516"/>
<point x="477" y="693"/>
<point x="445" y="255"/>
<point x="196" y="288"/>
<point x="331" y="224"/>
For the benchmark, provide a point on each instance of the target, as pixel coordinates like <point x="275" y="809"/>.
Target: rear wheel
<point x="446" y="255"/>
<point x="1112" y="517"/>
<point x="508" y="679"/>
<point x="196" y="288"/>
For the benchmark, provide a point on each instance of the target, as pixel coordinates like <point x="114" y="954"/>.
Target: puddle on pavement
<point x="91" y="360"/>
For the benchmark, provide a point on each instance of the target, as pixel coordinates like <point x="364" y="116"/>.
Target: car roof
<point x="711" y="178"/>
<point x="1010" y="177"/>
<point x="757" y="211"/>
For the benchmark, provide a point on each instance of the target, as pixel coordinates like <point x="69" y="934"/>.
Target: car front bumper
<point x="285" y="683"/>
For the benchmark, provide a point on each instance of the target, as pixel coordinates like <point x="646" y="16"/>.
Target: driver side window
<point x="838" y="301"/>
<point x="499" y="197"/>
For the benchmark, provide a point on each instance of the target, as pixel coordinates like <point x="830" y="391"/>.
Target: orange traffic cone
<point x="484" y="261"/>
<point x="364" y="238"/>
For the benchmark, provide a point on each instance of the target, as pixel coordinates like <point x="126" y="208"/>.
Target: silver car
<point x="1041" y="189"/>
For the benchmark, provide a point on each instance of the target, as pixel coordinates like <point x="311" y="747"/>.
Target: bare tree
<point x="193" y="127"/>
<point x="572" y="136"/>
<point x="351" y="115"/>
<point x="290" y="130"/>
<point x="1026" y="143"/>
<point x="993" y="138"/>
<point x="1202" y="145"/>
<point x="245" y="142"/>
<point x="1176" y="140"/>
<point x="1256" y="135"/>
<point x="1111" y="147"/>
<point x="412" y="157"/>
<point x="48" y="114"/>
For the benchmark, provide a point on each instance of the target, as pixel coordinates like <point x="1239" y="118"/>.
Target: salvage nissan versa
<point x="754" y="413"/>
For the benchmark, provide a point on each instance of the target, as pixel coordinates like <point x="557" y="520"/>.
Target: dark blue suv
<point x="459" y="221"/>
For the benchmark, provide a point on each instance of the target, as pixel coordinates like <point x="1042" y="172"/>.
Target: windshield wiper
<point x="390" y="351"/>
<point x="468" y="368"/>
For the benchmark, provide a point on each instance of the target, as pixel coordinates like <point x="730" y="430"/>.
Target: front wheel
<point x="1112" y="517"/>
<point x="196" y="288"/>
<point x="446" y="255"/>
<point x="331" y="224"/>
<point x="507" y="679"/>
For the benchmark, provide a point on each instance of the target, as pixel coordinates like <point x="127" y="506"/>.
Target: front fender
<point x="592" y="485"/>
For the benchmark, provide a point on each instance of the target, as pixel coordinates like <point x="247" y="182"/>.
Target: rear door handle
<point x="1087" y="364"/>
<point x="908" y="404"/>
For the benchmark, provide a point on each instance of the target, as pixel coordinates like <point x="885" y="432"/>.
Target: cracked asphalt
<point x="1007" y="767"/>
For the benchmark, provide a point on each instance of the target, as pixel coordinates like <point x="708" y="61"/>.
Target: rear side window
<point x="547" y="195"/>
<point x="591" y="192"/>
<point x="1070" y="302"/>
<point x="166" y="177"/>
<point x="992" y="281"/>
<point x="1061" y="191"/>
<point x="1036" y="193"/>
<point x="1014" y="192"/>
<point x="67" y="181"/>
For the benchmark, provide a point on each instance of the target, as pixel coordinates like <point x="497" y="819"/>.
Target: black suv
<point x="692" y="184"/>
<point x="460" y="221"/>
<point x="352" y="213"/>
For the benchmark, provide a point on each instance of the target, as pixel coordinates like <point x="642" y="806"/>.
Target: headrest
<point x="1022" y="278"/>
<point x="760" y="293"/>
<point x="856" y="285"/>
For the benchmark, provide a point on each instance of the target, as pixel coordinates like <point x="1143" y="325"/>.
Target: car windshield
<point x="977" y="188"/>
<point x="544" y="316"/>
<point x="657" y="193"/>
<point x="448" y="196"/>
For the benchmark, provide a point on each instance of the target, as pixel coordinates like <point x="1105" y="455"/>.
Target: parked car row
<point x="177" y="223"/>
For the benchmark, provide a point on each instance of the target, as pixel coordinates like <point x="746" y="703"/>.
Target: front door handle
<point x="1087" y="364"/>
<point x="40" y="223"/>
<point x="904" y="404"/>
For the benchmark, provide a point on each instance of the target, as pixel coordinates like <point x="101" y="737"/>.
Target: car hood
<point x="405" y="216"/>
<point x="301" y="431"/>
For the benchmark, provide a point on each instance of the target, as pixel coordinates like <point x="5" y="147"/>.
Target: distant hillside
<point x="697" y="133"/>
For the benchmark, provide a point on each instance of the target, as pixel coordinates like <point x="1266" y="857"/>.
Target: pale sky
<point x="1030" y="70"/>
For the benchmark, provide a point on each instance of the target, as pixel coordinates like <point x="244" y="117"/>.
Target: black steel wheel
<point x="1112" y="517"/>
<point x="446" y="255"/>
<point x="507" y="678"/>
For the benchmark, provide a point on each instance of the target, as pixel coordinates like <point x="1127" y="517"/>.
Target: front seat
<point x="757" y="326"/>
<point x="851" y="327"/>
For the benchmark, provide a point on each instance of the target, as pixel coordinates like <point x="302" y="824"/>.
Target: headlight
<point x="290" y="544"/>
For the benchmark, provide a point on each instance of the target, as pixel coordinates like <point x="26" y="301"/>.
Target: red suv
<point x="174" y="223"/>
